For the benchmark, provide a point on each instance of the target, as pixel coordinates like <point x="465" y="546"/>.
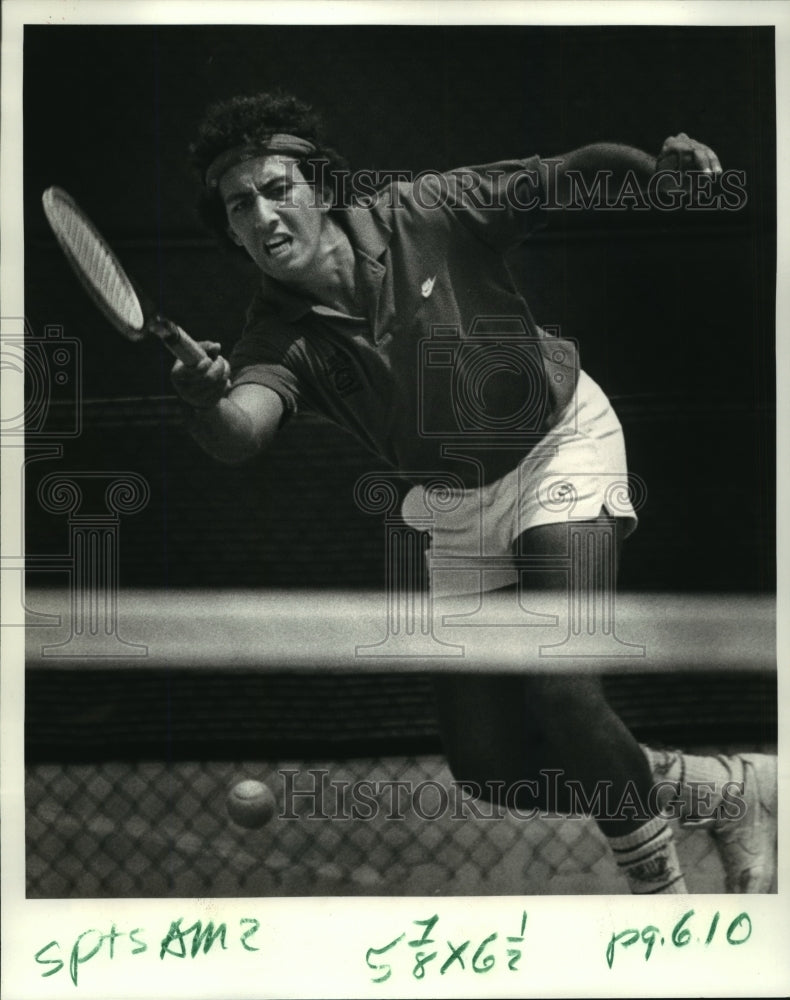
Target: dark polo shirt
<point x="446" y="370"/>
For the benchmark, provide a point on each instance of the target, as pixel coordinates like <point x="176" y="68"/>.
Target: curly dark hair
<point x="254" y="119"/>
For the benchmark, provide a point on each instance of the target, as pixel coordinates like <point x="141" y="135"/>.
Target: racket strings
<point x="100" y="268"/>
<point x="96" y="263"/>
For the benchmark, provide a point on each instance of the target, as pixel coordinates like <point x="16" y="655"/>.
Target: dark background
<point x="674" y="311"/>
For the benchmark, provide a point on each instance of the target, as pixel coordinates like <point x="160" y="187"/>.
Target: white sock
<point x="648" y="859"/>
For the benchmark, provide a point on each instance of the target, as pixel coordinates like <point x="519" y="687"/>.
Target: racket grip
<point x="176" y="341"/>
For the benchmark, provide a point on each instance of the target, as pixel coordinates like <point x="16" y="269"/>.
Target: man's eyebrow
<point x="263" y="186"/>
<point x="281" y="180"/>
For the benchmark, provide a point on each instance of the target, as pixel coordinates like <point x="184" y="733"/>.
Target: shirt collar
<point x="367" y="230"/>
<point x="370" y="236"/>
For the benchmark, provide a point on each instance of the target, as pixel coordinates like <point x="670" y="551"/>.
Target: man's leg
<point x="508" y="729"/>
<point x="502" y="732"/>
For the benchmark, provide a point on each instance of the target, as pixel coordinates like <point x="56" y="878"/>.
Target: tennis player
<point x="356" y="277"/>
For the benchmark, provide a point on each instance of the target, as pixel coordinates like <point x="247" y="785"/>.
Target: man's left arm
<point x="679" y="154"/>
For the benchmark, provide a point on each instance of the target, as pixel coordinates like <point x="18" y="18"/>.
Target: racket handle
<point x="176" y="341"/>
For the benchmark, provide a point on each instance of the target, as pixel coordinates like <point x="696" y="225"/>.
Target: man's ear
<point x="233" y="237"/>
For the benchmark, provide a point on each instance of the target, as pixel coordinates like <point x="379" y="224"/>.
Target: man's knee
<point x="565" y="700"/>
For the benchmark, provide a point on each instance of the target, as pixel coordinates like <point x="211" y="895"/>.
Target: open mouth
<point x="277" y="246"/>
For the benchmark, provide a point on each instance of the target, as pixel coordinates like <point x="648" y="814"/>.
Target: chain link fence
<point x="156" y="829"/>
<point x="127" y="773"/>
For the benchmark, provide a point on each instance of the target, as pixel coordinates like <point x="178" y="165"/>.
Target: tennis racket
<point x="107" y="283"/>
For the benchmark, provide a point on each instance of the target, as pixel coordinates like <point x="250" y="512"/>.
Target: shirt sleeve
<point x="262" y="357"/>
<point x="502" y="203"/>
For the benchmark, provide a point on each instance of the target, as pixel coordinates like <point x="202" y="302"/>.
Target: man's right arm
<point x="231" y="425"/>
<point x="240" y="425"/>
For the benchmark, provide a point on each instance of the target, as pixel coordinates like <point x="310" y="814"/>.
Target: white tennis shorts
<point x="577" y="469"/>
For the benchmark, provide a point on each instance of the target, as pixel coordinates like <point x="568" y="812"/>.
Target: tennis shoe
<point x="747" y="845"/>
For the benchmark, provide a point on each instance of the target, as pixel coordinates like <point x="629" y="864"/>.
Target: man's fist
<point x="203" y="385"/>
<point x="681" y="153"/>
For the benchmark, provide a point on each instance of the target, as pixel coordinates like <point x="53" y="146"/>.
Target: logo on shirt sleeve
<point x="341" y="374"/>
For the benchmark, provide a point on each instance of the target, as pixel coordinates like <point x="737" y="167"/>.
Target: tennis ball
<point x="250" y="804"/>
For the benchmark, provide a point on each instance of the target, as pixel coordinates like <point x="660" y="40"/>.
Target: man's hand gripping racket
<point x="200" y="374"/>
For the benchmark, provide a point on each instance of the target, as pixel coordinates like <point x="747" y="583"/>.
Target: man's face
<point x="273" y="213"/>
